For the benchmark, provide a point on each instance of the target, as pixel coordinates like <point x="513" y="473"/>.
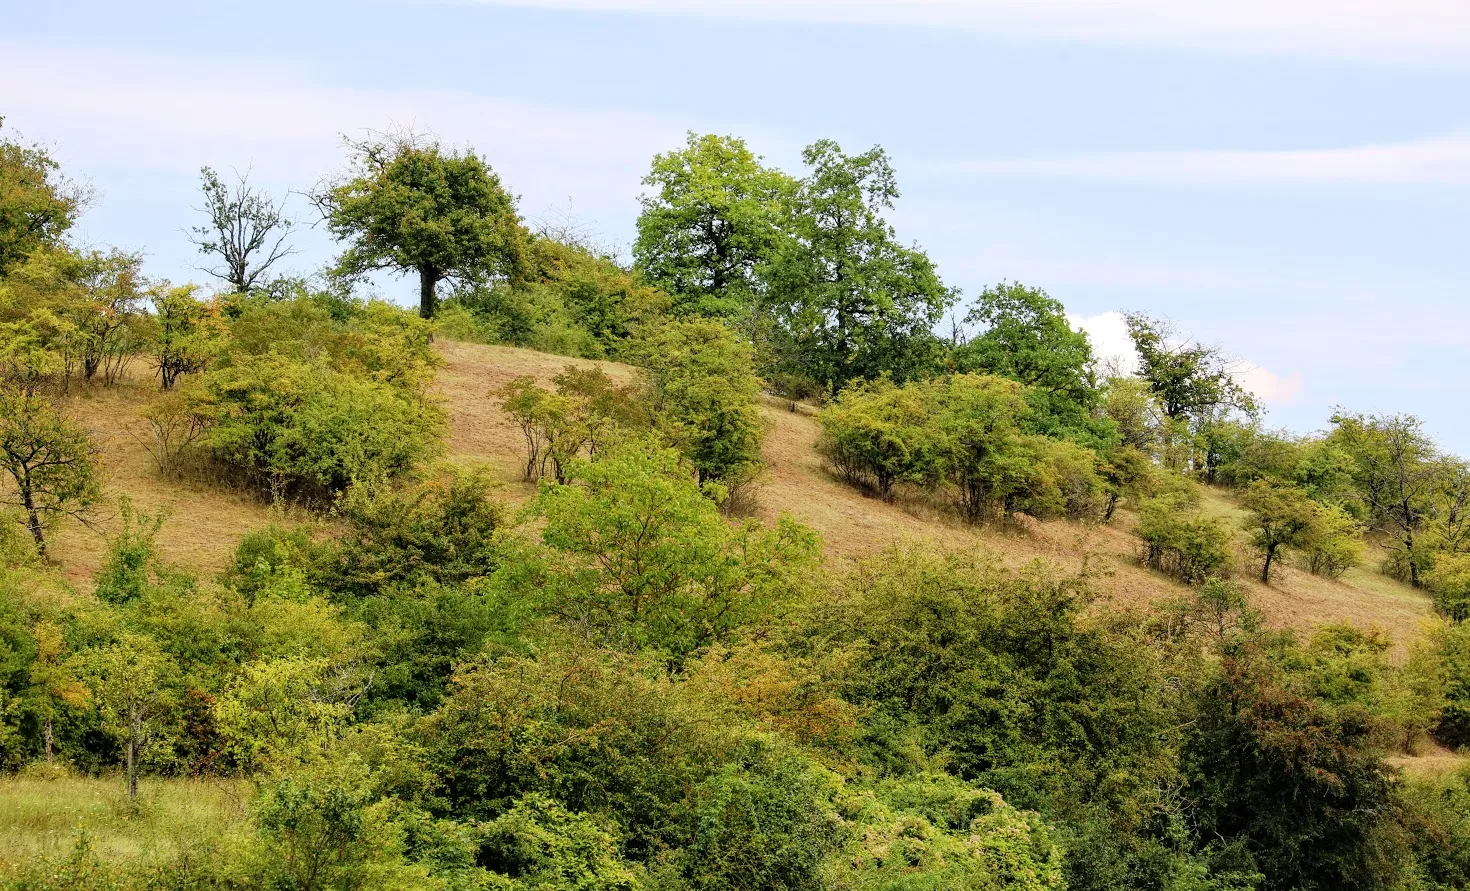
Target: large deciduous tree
<point x="850" y="301"/>
<point x="712" y="221"/>
<point x="1191" y="380"/>
<point x="247" y="230"/>
<point x="409" y="205"/>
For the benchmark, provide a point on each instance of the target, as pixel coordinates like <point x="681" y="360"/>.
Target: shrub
<point x="586" y="413"/>
<point x="876" y="434"/>
<point x="1333" y="543"/>
<point x="702" y="392"/>
<point x="444" y="533"/>
<point x="1181" y="542"/>
<point x="303" y="427"/>
<point x="1449" y="582"/>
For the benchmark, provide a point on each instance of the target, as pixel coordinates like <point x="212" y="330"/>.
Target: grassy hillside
<point x="204" y="522"/>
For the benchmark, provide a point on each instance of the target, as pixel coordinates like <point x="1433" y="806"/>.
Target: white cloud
<point x="1269" y="387"/>
<point x="1419" y="31"/>
<point x="1108" y="333"/>
<point x="1440" y="161"/>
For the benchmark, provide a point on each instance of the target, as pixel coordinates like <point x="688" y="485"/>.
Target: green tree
<point x="713" y="220"/>
<point x="37" y="204"/>
<point x="247" y="231"/>
<point x="848" y="300"/>
<point x="51" y="463"/>
<point x="1191" y="380"/>
<point x="702" y="394"/>
<point x="133" y="687"/>
<point x="876" y="434"/>
<point x="1282" y="517"/>
<point x="1026" y="337"/>
<point x="407" y="204"/>
<point x="281" y="712"/>
<point x="645" y="559"/>
<point x="538" y="845"/>
<point x="1398" y="474"/>
<point x="977" y="423"/>
<point x="187" y="333"/>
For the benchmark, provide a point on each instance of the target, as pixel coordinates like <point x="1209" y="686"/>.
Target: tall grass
<point x="43" y="816"/>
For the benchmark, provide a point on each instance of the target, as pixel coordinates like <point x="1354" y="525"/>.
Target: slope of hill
<point x="203" y="522"/>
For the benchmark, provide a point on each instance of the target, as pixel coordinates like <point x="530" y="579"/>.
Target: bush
<point x="876" y="434"/>
<point x="302" y="427"/>
<point x="1449" y="582"/>
<point x="702" y="392"/>
<point x="1183" y="543"/>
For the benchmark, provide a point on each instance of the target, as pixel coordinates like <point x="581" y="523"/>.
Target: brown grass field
<point x="203" y="521"/>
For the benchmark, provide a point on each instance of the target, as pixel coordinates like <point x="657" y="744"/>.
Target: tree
<point x="37" y="204"/>
<point x="703" y="393"/>
<point x="188" y="333"/>
<point x="849" y="301"/>
<point x="407" y="204"/>
<point x="1281" y="517"/>
<point x="712" y="222"/>
<point x="247" y="230"/>
<point x="1191" y="379"/>
<point x="875" y="435"/>
<point x="1398" y="471"/>
<point x="649" y="562"/>
<point x="131" y="684"/>
<point x="1027" y="338"/>
<point x="976" y="422"/>
<point x="51" y="462"/>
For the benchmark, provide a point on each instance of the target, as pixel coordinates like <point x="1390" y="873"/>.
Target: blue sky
<point x="1287" y="178"/>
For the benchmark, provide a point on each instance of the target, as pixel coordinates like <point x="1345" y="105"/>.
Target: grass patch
<point x="43" y="816"/>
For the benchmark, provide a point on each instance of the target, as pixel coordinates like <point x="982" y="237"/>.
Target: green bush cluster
<point x="964" y="435"/>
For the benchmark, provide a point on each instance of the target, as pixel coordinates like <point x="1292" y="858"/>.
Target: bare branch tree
<point x="247" y="230"/>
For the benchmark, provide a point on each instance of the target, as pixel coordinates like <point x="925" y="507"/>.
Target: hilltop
<point x="204" y="521"/>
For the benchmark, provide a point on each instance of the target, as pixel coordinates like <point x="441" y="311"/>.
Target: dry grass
<point x="42" y="817"/>
<point x="204" y="522"/>
<point x="1434" y="763"/>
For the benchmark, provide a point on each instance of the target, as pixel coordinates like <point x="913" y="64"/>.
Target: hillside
<point x="203" y="522"/>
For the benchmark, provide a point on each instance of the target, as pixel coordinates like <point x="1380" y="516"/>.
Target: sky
<point x="1287" y="179"/>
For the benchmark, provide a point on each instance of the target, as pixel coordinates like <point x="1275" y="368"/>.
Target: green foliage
<point x="1027" y="338"/>
<point x="1451" y="644"/>
<point x="586" y="414"/>
<point x="1449" y="582"/>
<point x="1191" y="380"/>
<point x="538" y="845"/>
<point x="407" y="204"/>
<point x="133" y="685"/>
<point x="848" y="301"/>
<point x="1183" y="542"/>
<point x="51" y="463"/>
<point x="187" y="333"/>
<point x="1297" y="784"/>
<point x="440" y="534"/>
<point x="875" y="434"/>
<point x="640" y="556"/>
<point x="37" y="204"/>
<point x="1281" y="518"/>
<point x="299" y="427"/>
<point x="713" y="221"/>
<point x="284" y="711"/>
<point x="132" y="565"/>
<point x="976" y="422"/>
<point x="702" y="392"/>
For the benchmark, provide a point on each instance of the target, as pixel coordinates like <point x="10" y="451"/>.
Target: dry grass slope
<point x="204" y="523"/>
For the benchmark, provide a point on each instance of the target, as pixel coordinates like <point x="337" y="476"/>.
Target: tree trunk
<point x="428" y="299"/>
<point x="132" y="767"/>
<point x="33" y="518"/>
<point x="49" y="737"/>
<point x="1266" y="567"/>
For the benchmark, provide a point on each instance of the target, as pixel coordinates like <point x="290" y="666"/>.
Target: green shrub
<point x="702" y="393"/>
<point x="1449" y="582"/>
<point x="1181" y="542"/>
<point x="876" y="434"/>
<point x="303" y="427"/>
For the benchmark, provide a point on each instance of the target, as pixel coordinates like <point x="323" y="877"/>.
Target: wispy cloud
<point x="1419" y="31"/>
<point x="170" y="114"/>
<point x="1441" y="161"/>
